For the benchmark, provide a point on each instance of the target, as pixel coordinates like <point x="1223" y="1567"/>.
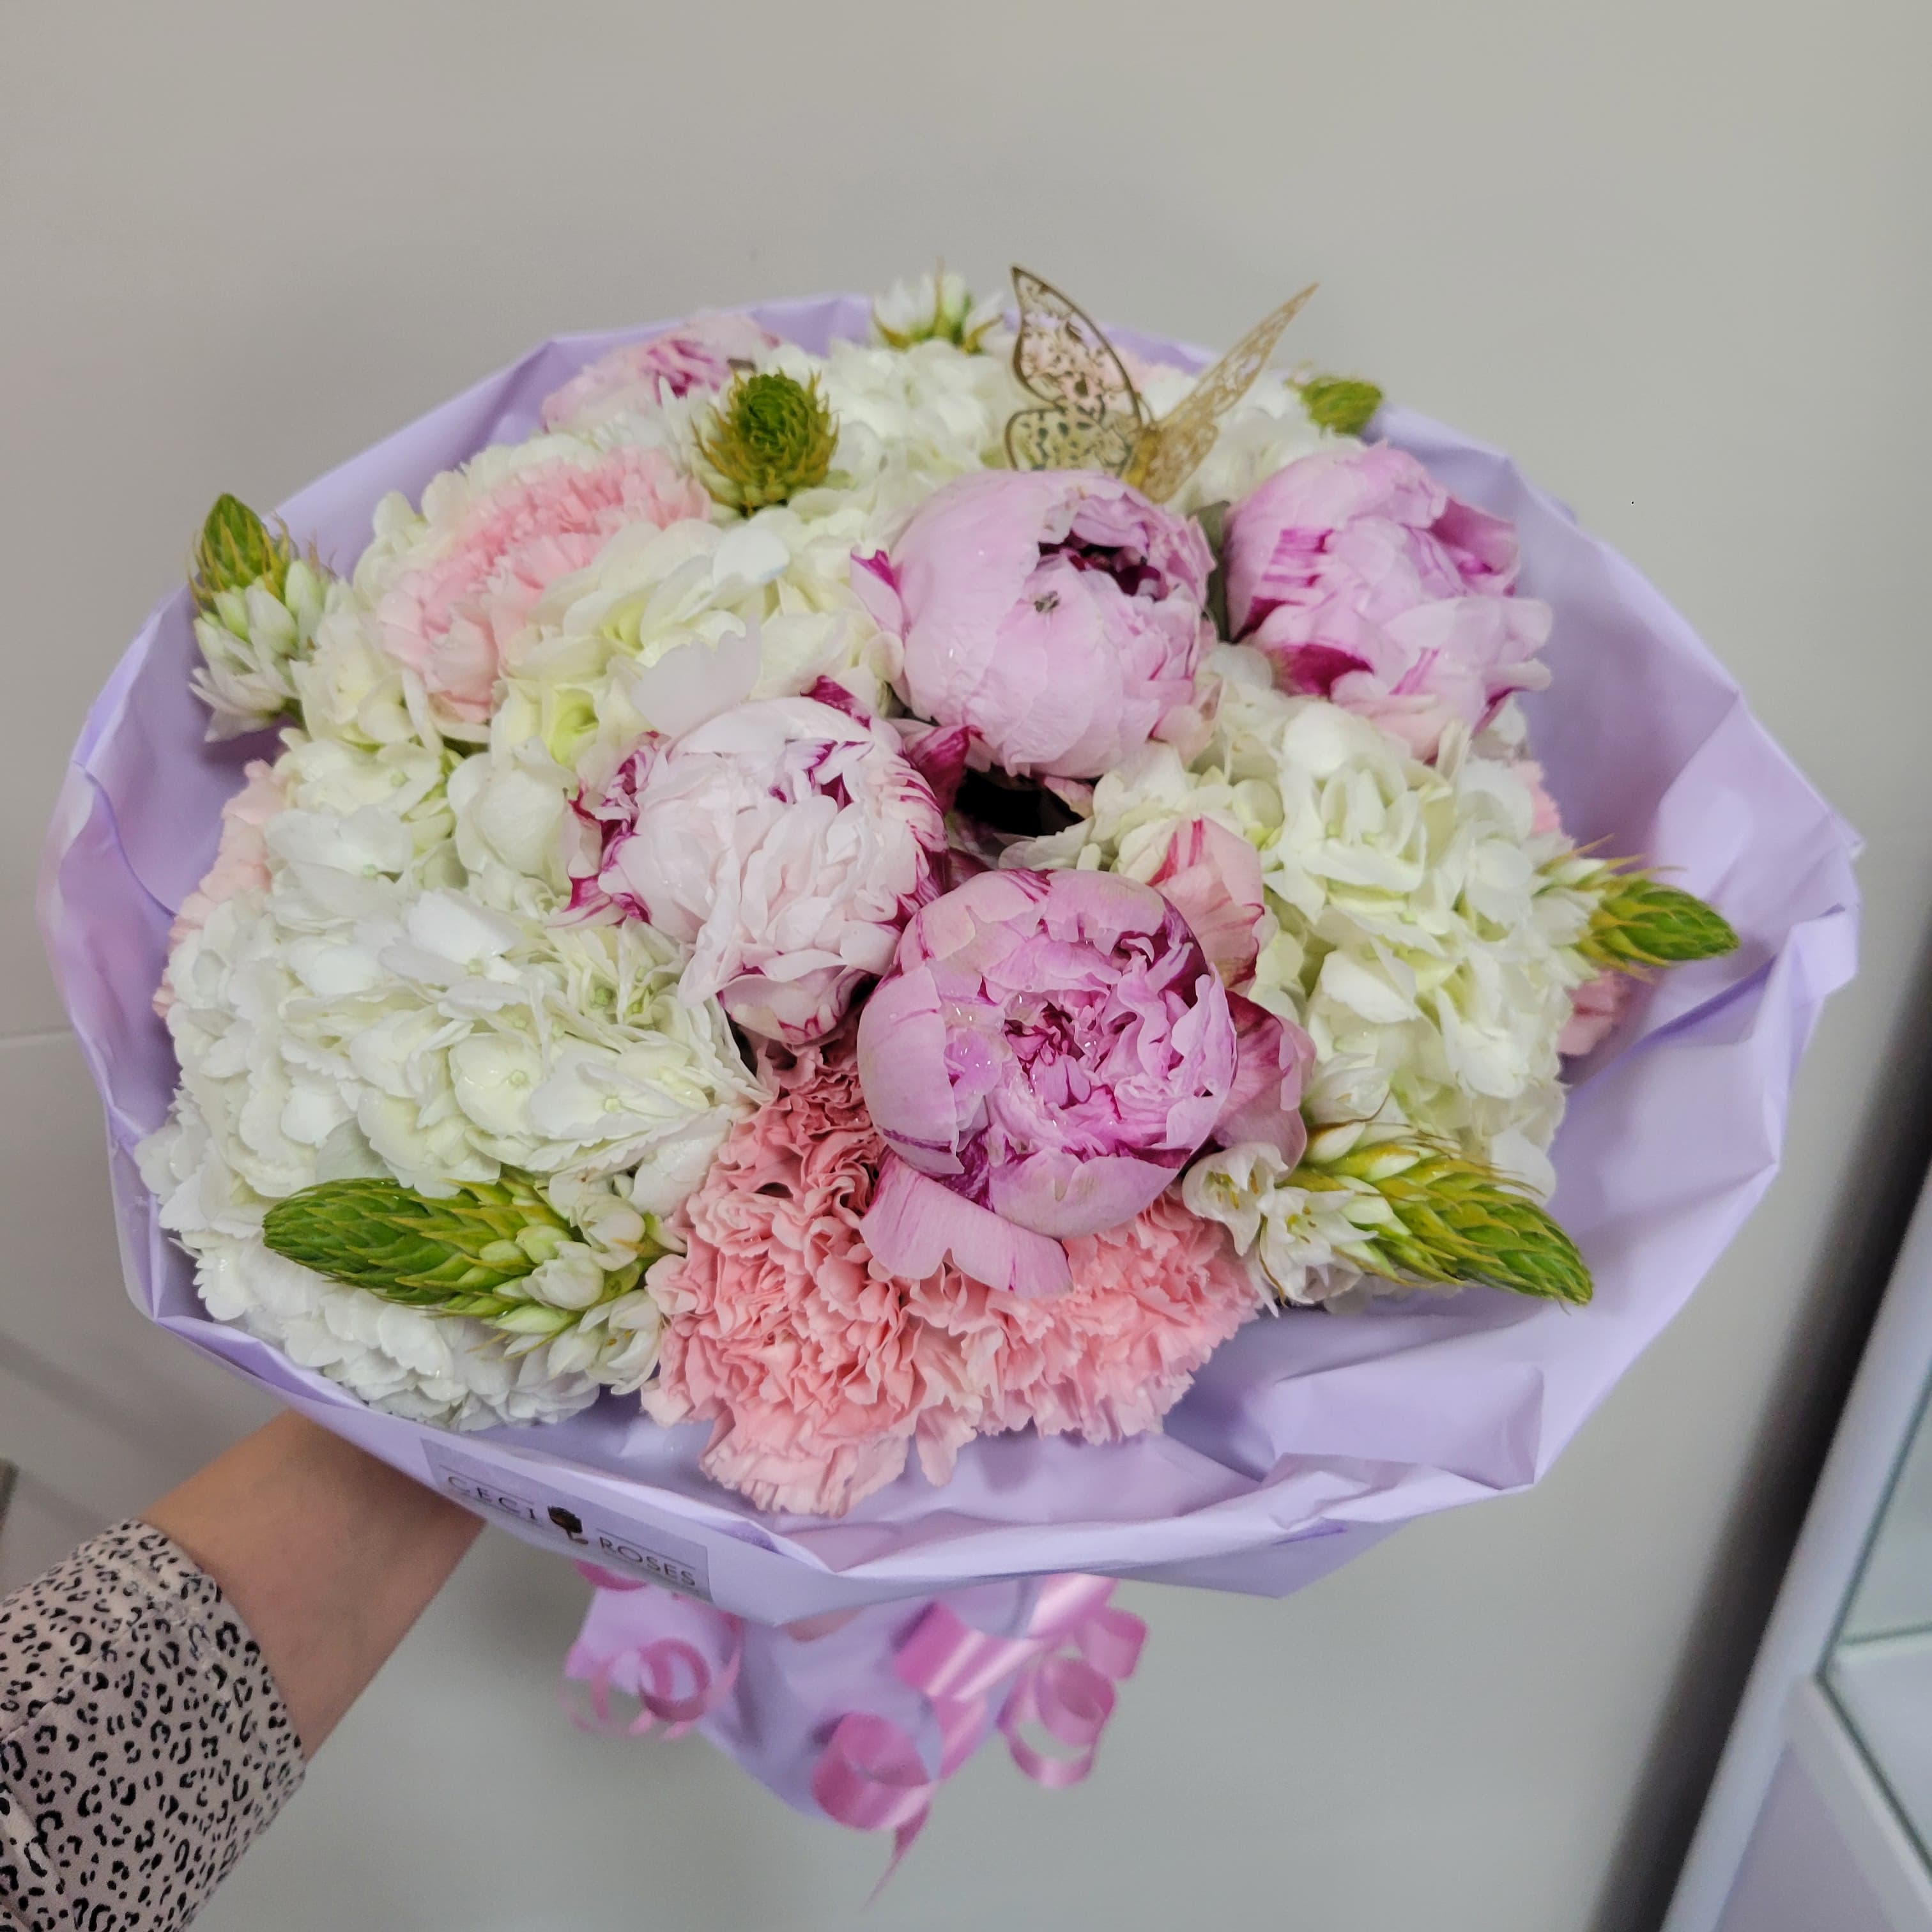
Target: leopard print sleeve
<point x="142" y="1741"/>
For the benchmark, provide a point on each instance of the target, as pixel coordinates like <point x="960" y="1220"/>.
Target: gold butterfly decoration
<point x="1090" y="416"/>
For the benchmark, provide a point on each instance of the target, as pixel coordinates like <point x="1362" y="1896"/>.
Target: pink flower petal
<point x="915" y="1227"/>
<point x="1057" y="1193"/>
<point x="1273" y="1059"/>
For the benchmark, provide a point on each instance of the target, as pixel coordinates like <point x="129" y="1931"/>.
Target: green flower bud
<point x="237" y="549"/>
<point x="1423" y="1214"/>
<point x="1638" y="923"/>
<point x="1342" y="404"/>
<point x="472" y="1254"/>
<point x="257" y="604"/>
<point x="939" y="308"/>
<point x="767" y="437"/>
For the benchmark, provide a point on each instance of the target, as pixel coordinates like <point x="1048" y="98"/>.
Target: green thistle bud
<point x="474" y="1253"/>
<point x="767" y="437"/>
<point x="1638" y="923"/>
<point x="237" y="549"/>
<point x="1423" y="1214"/>
<point x="1342" y="404"/>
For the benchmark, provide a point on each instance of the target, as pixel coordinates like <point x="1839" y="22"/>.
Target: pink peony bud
<point x="1056" y="614"/>
<point x="1049" y="1049"/>
<point x="1212" y="877"/>
<point x="785" y="842"/>
<point x="1368" y="584"/>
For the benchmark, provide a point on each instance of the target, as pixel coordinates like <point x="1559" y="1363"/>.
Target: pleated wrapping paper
<point x="1306" y="1437"/>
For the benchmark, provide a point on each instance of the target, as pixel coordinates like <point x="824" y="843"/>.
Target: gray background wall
<point x="1673" y="255"/>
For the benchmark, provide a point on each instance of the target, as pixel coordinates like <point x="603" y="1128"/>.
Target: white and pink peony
<point x="785" y="842"/>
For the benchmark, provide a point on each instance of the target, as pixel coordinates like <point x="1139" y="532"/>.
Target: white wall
<point x="1671" y="252"/>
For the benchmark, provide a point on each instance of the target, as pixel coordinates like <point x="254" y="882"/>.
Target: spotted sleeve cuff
<point x="143" y="1743"/>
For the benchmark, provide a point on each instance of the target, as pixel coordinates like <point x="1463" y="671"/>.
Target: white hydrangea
<point x="1409" y="929"/>
<point x="366" y="1014"/>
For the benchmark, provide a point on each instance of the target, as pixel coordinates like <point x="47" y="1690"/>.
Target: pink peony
<point x="785" y="841"/>
<point x="820" y="1371"/>
<point x="1367" y="583"/>
<point x="453" y="616"/>
<point x="1048" y="1050"/>
<point x="241" y="858"/>
<point x="1055" y="614"/>
<point x="700" y="354"/>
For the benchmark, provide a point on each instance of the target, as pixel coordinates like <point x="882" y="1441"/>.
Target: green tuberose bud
<point x="1341" y="404"/>
<point x="1424" y="1214"/>
<point x="767" y="437"/>
<point x="938" y="308"/>
<point x="237" y="549"/>
<point x="257" y="604"/>
<point x="1638" y="923"/>
<point x="477" y="1252"/>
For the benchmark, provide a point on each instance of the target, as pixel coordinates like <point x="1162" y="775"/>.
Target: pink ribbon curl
<point x="659" y="1666"/>
<point x="1059" y="1674"/>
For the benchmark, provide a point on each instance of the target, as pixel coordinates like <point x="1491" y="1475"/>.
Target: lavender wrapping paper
<point x="1307" y="1438"/>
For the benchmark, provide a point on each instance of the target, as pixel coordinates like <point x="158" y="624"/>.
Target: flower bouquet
<point x="876" y="962"/>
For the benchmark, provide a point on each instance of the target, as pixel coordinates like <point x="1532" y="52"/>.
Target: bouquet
<point x="846" y="921"/>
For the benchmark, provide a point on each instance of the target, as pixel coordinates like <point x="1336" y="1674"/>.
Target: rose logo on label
<point x="525" y="1507"/>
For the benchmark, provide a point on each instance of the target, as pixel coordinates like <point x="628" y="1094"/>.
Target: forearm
<point x="327" y="1554"/>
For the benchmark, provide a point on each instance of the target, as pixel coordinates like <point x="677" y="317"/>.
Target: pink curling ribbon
<point x="660" y="1665"/>
<point x="871" y="1775"/>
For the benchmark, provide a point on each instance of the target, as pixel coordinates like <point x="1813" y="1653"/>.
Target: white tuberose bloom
<point x="253" y="643"/>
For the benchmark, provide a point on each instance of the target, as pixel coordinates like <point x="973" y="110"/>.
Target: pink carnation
<point x="820" y="1372"/>
<point x="454" y="618"/>
<point x="700" y="354"/>
<point x="1367" y="583"/>
<point x="1151" y="1300"/>
<point x="814" y="1366"/>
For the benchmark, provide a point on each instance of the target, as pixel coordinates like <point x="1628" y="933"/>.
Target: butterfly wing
<point x="1089" y="414"/>
<point x="1172" y="450"/>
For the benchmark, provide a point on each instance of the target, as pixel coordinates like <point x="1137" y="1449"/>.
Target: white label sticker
<point x="526" y="1508"/>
